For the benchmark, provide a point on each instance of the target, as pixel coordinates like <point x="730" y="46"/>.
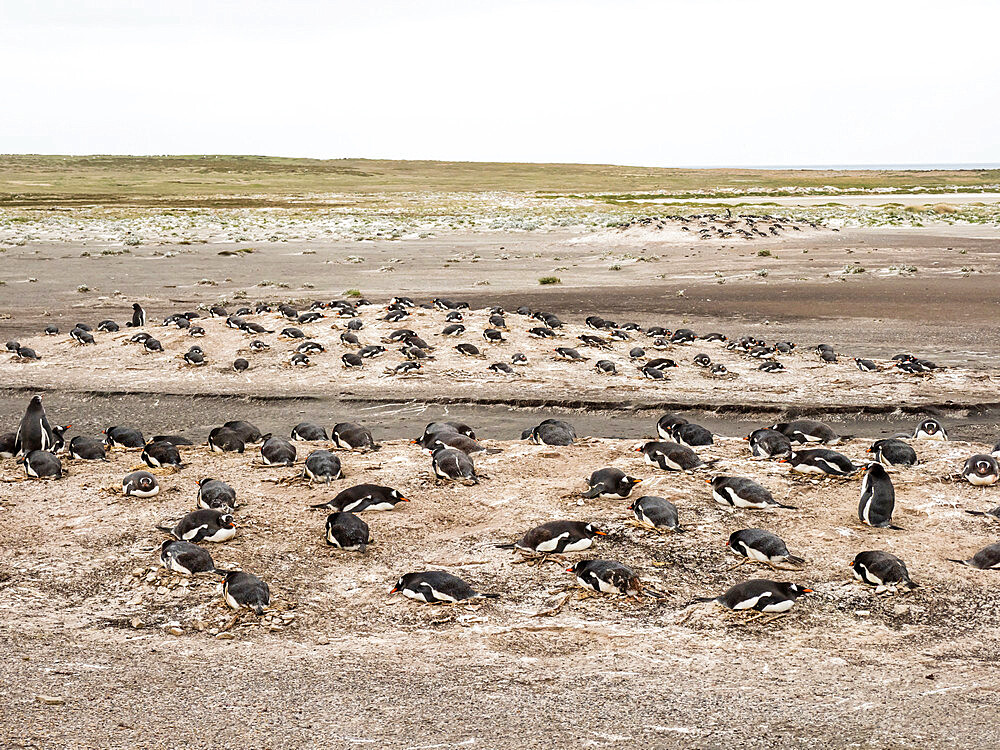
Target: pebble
<point x="50" y="700"/>
<point x="226" y="636"/>
<point x="174" y="630"/>
<point x="137" y="623"/>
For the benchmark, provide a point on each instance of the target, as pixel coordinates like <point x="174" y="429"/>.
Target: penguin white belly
<point x="663" y="433"/>
<point x="866" y="511"/>
<point x="782" y="606"/>
<point x="145" y="493"/>
<point x="666" y="461"/>
<point x="867" y="576"/>
<point x="29" y="470"/>
<point x="551" y="545"/>
<point x="222" y="535"/>
<point x="807" y="469"/>
<point x="755" y="554"/>
<point x="152" y="460"/>
<point x="979" y="481"/>
<point x="721" y="499"/>
<point x="233" y="604"/>
<point x="831" y="468"/>
<point x="172" y="564"/>
<point x="580" y="544"/>
<point x="441" y="597"/>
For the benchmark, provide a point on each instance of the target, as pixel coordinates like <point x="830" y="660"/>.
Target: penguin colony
<point x="443" y="338"/>
<point x="806" y="446"/>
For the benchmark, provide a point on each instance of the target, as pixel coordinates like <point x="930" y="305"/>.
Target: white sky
<point x="704" y="82"/>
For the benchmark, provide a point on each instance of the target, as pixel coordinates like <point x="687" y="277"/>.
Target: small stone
<point x="161" y="590"/>
<point x="50" y="700"/>
<point x="174" y="630"/>
<point x="138" y="572"/>
<point x="225" y="636"/>
<point x="901" y="610"/>
<point x="150" y="577"/>
<point x="137" y="623"/>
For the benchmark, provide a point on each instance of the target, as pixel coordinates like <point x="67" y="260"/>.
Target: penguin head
<point x="795" y="589"/>
<point x="397" y="497"/>
<point x="593" y="531"/>
<point x="36" y="401"/>
<point x="166" y="544"/>
<point x="227" y="521"/>
<point x="403" y="582"/>
<point x="577" y="568"/>
<point x="146" y="482"/>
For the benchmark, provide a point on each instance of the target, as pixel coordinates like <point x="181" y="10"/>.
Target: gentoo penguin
<point x="204" y="525"/>
<point x="240" y="365"/>
<point x="881" y="569"/>
<point x="24" y="352"/>
<point x="350" y="359"/>
<point x="197" y="332"/>
<point x="454" y="317"/>
<point x="761" y="595"/>
<point x="691" y="435"/>
<point x="702" y="360"/>
<point x="878" y="498"/>
<point x="468" y="350"/>
<point x="152" y="345"/>
<point x="606" y="577"/>
<point x="462" y="443"/>
<point x="714" y="337"/>
<point x="636" y="352"/>
<point x="455" y="329"/>
<point x="988" y="558"/>
<point x="51" y="330"/>
<point x="81" y="336"/>
<point x="552" y="432"/>
<point x="350" y="339"/>
<point x="277" y="451"/>
<point x="404" y="368"/>
<point x="13" y="346"/>
<point x="42" y="465"/>
<point x="493" y="336"/>
<point x="247" y="432"/>
<point x="195" y="356"/>
<point x="364" y="497"/>
<point x="437" y="587"/>
<point x="225" y="440"/>
<point x="87" y="449"/>
<point x="541" y="332"/>
<point x="519" y="358"/>
<point x="452" y="464"/>
<point x="820" y="461"/>
<point x="610" y="482"/>
<point x="177" y="440"/>
<point x="761" y="546"/>
<point x="893" y="452"/>
<point x="606" y="366"/>
<point x="34" y="433"/>
<point x="186" y="558"/>
<point x="291" y="333"/>
<point x="371" y="351"/>
<point x="59" y="437"/>
<point x="666" y="424"/>
<point x="138" y="338"/>
<point x="807" y="431"/>
<point x="768" y="443"/>
<point x="123" y="437"/>
<point x="353" y="437"/>
<point x="161" y="454"/>
<point x="656" y="511"/>
<point x="298" y="359"/>
<point x="140" y="484"/>
<point x="669" y="456"/>
<point x="981" y="470"/>
<point x="930" y="429"/>
<point x="310" y="347"/>
<point x="740" y="492"/>
<point x="308" y="431"/>
<point x="569" y="353"/>
<point x="347" y="531"/>
<point x="865" y="365"/>
<point x="246" y="590"/>
<point x="322" y="466"/>
<point x="138" y="316"/>
<point x="652" y="372"/>
<point x="7" y="442"/>
<point x="556" y="537"/>
<point x="258" y="346"/>
<point x="439" y="427"/>
<point x="214" y="493"/>
<point x="108" y="326"/>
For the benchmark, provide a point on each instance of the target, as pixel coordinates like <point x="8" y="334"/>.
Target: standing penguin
<point x="34" y="433"/>
<point x="878" y="498"/>
<point x="138" y="316"/>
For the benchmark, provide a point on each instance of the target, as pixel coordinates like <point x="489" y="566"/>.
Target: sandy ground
<point x="86" y="612"/>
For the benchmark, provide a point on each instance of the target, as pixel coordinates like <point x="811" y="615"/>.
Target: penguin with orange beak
<point x="610" y="482"/>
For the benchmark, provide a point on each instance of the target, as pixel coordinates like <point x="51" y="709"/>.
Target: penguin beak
<point x="601" y="533"/>
<point x="394" y="589"/>
<point x="747" y="438"/>
<point x="808" y="591"/>
<point x="404" y="499"/>
<point x="708" y="481"/>
<point x="569" y="570"/>
<point x="636" y="481"/>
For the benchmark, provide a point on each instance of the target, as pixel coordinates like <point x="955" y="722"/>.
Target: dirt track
<point x="355" y="665"/>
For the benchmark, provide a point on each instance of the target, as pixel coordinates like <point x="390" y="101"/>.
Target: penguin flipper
<point x="894" y="527"/>
<point x="701" y="600"/>
<point x="788" y="507"/>
<point x="594" y="491"/>
<point x="795" y="560"/>
<point x="487" y="596"/>
<point x="976" y="512"/>
<point x="166" y="530"/>
<point x="322" y="505"/>
<point x="505" y="546"/>
<point x="960" y="562"/>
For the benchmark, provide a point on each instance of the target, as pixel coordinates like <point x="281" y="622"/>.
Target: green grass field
<point x="234" y="181"/>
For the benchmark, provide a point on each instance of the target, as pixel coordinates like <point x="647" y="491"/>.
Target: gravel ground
<point x="104" y="649"/>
